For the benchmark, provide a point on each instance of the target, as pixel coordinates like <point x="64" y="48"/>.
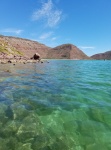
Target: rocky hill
<point x="106" y="55"/>
<point x="66" y="51"/>
<point x="24" y="47"/>
<point x="27" y="48"/>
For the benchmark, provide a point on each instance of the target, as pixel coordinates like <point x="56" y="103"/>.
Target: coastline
<point x="27" y="60"/>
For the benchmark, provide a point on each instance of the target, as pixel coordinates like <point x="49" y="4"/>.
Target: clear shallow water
<point x="60" y="105"/>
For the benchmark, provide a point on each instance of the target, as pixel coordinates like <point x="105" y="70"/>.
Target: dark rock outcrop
<point x="100" y="56"/>
<point x="36" y="56"/>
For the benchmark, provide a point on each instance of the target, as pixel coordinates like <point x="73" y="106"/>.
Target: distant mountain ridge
<point x="105" y="55"/>
<point x="27" y="48"/>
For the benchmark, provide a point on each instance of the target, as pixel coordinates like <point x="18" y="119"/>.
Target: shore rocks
<point x="5" y="58"/>
<point x="5" y="61"/>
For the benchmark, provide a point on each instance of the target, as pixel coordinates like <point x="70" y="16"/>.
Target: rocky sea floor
<point x="60" y="105"/>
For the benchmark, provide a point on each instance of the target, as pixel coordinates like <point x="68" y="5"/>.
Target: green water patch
<point x="60" y="129"/>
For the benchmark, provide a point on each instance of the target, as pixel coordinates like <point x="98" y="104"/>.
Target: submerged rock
<point x="29" y="128"/>
<point x="26" y="146"/>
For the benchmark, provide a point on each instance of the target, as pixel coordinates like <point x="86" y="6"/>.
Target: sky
<point x="83" y="23"/>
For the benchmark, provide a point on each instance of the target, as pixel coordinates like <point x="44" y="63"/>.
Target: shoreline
<point x="14" y="61"/>
<point x="25" y="60"/>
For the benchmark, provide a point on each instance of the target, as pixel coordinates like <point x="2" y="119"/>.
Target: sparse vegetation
<point x="6" y="48"/>
<point x="3" y="50"/>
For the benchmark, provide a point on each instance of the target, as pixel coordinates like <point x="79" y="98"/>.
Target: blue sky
<point x="84" y="23"/>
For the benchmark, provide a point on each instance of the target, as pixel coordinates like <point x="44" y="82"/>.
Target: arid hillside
<point x="106" y="55"/>
<point x="66" y="51"/>
<point x="27" y="48"/>
<point x="23" y="46"/>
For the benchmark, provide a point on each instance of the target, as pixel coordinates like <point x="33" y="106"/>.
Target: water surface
<point x="60" y="105"/>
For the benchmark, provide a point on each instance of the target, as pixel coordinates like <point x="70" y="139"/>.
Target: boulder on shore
<point x="36" y="56"/>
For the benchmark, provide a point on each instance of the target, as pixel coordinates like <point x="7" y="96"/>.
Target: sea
<point x="56" y="105"/>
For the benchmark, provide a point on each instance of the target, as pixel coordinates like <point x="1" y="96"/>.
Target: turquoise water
<point x="60" y="105"/>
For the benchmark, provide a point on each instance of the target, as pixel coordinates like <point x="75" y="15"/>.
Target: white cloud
<point x="10" y="30"/>
<point x="45" y="35"/>
<point x="51" y="15"/>
<point x="87" y="47"/>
